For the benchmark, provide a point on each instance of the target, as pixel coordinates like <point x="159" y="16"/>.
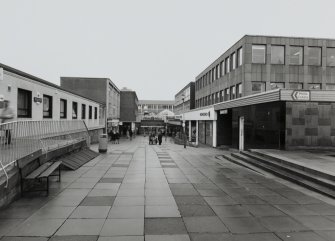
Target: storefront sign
<point x="223" y="112"/>
<point x="301" y="95"/>
<point x="205" y="114"/>
<point x="37" y="100"/>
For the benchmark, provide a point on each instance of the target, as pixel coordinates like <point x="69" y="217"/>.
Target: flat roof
<point x="156" y="102"/>
<point x="42" y="81"/>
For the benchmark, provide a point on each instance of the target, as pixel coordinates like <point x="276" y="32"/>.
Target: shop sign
<point x="301" y="95"/>
<point x="120" y="123"/>
<point x="205" y="114"/>
<point x="223" y="112"/>
<point x="37" y="99"/>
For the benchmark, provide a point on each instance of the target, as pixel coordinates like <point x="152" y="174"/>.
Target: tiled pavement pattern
<point x="139" y="192"/>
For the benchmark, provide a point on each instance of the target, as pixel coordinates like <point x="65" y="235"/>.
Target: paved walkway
<point x="138" y="192"/>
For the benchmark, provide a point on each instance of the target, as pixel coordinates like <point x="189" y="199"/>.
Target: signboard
<point x="223" y="112"/>
<point x="1" y="73"/>
<point x="301" y="95"/>
<point x="204" y="114"/>
<point x="37" y="100"/>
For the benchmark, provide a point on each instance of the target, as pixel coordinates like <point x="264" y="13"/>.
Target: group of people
<point x="114" y="136"/>
<point x="154" y="140"/>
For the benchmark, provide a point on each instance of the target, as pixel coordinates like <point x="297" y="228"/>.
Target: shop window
<point x="90" y="112"/>
<point x="330" y="86"/>
<point x="227" y="65"/>
<point x="314" y="86"/>
<point x="257" y="87"/>
<point x="239" y="90"/>
<point x="277" y="85"/>
<point x="24" y="102"/>
<point x="296" y="55"/>
<point x="232" y="92"/>
<point x="233" y="61"/>
<point x="83" y="111"/>
<point x="277" y="54"/>
<point x="95" y="113"/>
<point x="258" y="54"/>
<point x="314" y="56"/>
<point x="330" y="56"/>
<point x="240" y="56"/>
<point x="295" y="86"/>
<point x="74" y="110"/>
<point x="63" y="109"/>
<point x="47" y="106"/>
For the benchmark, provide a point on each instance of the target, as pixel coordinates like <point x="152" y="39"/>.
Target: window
<point x="239" y="56"/>
<point x="314" y="56"/>
<point x="258" y="54"/>
<point x="74" y="110"/>
<point x="217" y="70"/>
<point x="95" y="113"/>
<point x="213" y="74"/>
<point x="330" y="86"/>
<point x="90" y="112"/>
<point x="213" y="98"/>
<point x="239" y="90"/>
<point x="277" y="85"/>
<point x="277" y="54"/>
<point x="24" y="103"/>
<point x="221" y="95"/>
<point x="217" y="97"/>
<point x="296" y="55"/>
<point x="210" y="76"/>
<point x="227" y="66"/>
<point x="47" y="106"/>
<point x="233" y="61"/>
<point x="232" y="92"/>
<point x="222" y="68"/>
<point x="314" y="86"/>
<point x="330" y="56"/>
<point x="83" y="111"/>
<point x="258" y="86"/>
<point x="295" y="86"/>
<point x="63" y="109"/>
<point x="226" y="95"/>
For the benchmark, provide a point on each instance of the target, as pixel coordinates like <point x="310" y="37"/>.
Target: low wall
<point x="94" y="135"/>
<point x="12" y="192"/>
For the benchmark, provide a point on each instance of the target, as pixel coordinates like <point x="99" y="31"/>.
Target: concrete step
<point x="241" y="163"/>
<point x="315" y="183"/>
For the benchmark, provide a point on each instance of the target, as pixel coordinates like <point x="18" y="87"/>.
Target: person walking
<point x="117" y="137"/>
<point x="6" y="115"/>
<point x="130" y="134"/>
<point x="160" y="136"/>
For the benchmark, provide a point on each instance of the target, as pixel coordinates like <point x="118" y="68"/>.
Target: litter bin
<point x="103" y="143"/>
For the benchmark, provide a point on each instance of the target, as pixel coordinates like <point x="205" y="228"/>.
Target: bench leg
<point x="59" y="173"/>
<point x="47" y="186"/>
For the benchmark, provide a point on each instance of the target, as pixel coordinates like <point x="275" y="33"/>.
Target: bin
<point x="103" y="140"/>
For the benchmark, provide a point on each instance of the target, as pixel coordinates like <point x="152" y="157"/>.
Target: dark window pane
<point x="63" y="108"/>
<point x="74" y="110"/>
<point x="277" y="54"/>
<point x="296" y="86"/>
<point x="47" y="106"/>
<point x="258" y="86"/>
<point x="277" y="85"/>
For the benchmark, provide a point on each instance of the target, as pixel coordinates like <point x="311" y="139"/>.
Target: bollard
<point x="103" y="143"/>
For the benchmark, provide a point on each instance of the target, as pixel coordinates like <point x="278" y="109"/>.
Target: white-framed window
<point x="258" y="53"/>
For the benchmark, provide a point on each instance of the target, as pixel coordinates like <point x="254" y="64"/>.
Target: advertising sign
<point x="301" y="95"/>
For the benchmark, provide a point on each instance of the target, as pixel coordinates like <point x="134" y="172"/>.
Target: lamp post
<point x="184" y="134"/>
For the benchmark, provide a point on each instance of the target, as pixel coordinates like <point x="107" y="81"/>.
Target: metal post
<point x="184" y="124"/>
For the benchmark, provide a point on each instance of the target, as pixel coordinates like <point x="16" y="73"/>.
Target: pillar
<point x="214" y="133"/>
<point x="189" y="131"/>
<point x="197" y="133"/>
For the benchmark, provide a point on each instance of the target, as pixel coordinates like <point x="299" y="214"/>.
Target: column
<point x="214" y="133"/>
<point x="189" y="131"/>
<point x="197" y="133"/>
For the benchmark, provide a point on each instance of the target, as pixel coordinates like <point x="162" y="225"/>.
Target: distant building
<point x="129" y="110"/>
<point x="99" y="89"/>
<point x="185" y="99"/>
<point x="153" y="107"/>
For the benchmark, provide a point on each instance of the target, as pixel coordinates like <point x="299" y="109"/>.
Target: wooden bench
<point x="42" y="172"/>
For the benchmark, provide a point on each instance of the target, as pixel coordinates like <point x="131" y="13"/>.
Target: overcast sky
<point x="154" y="47"/>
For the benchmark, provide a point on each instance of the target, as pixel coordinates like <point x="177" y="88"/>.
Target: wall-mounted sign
<point x="205" y="114"/>
<point x="1" y="74"/>
<point x="301" y="95"/>
<point x="37" y="100"/>
<point x="223" y="112"/>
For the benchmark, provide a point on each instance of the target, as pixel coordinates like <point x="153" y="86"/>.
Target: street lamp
<point x="184" y="134"/>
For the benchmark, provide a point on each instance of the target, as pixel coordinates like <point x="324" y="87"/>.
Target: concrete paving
<point x="139" y="192"/>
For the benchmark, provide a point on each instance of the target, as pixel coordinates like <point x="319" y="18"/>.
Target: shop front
<point x="200" y="126"/>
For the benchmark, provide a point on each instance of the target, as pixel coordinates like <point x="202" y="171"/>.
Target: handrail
<point x="21" y="138"/>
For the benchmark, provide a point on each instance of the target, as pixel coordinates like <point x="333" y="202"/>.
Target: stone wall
<point x="310" y="124"/>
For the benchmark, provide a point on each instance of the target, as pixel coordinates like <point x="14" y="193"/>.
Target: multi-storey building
<point x="99" y="89"/>
<point x="184" y="99"/>
<point x="154" y="107"/>
<point x="270" y="92"/>
<point x="129" y="110"/>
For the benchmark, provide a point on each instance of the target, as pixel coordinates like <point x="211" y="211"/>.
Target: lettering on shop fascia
<point x="301" y="95"/>
<point x="205" y="114"/>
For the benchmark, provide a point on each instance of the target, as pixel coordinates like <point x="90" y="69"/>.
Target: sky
<point x="155" y="47"/>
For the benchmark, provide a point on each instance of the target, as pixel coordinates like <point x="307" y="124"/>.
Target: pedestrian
<point x="6" y="115"/>
<point x="117" y="137"/>
<point x="130" y="134"/>
<point x="160" y="138"/>
<point x="113" y="136"/>
<point x="127" y="133"/>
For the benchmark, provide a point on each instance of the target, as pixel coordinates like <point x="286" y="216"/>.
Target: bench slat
<point x="38" y="171"/>
<point x="51" y="169"/>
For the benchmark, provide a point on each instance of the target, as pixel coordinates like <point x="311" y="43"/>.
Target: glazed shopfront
<point x="200" y="126"/>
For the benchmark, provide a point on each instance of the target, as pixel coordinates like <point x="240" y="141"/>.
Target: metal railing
<point x="21" y="138"/>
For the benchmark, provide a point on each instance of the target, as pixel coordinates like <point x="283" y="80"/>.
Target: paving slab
<point x="244" y="225"/>
<point x="24" y="239"/>
<point x="132" y="212"/>
<point x="161" y="211"/>
<point x="256" y="237"/>
<point x="81" y="227"/>
<point x="282" y="224"/>
<point x="183" y="237"/>
<point x="231" y="211"/>
<point x="123" y="227"/>
<point x="211" y="237"/>
<point x="98" y="201"/>
<point x="210" y="224"/>
<point x="93" y="212"/>
<point x="195" y="210"/>
<point x="300" y="236"/>
<point x="122" y="238"/>
<point x="162" y="226"/>
<point x="74" y="238"/>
